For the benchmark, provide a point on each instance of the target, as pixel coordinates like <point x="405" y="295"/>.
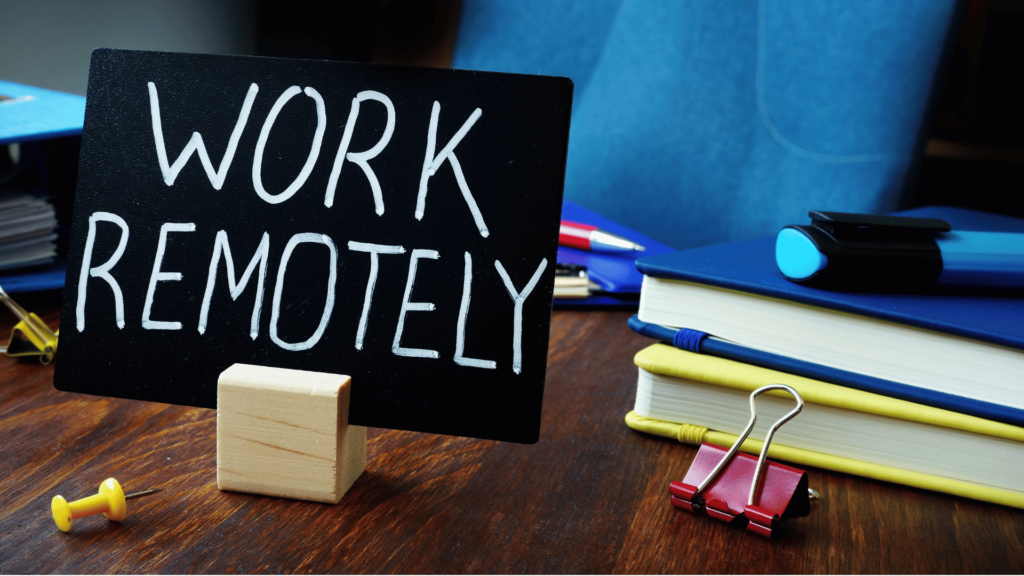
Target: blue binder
<point x="28" y="113"/>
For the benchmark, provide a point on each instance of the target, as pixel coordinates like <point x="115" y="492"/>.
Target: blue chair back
<point x="702" y="122"/>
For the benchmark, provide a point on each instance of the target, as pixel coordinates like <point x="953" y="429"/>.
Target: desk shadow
<point x="371" y="490"/>
<point x="88" y="531"/>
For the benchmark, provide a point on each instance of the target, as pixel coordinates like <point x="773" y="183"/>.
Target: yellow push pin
<point x="110" y="501"/>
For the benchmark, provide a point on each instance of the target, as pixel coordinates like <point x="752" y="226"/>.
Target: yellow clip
<point x="31" y="336"/>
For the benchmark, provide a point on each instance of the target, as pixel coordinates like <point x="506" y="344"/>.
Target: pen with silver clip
<point x="587" y="237"/>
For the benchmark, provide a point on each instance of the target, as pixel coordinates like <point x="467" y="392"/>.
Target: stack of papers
<point x="27" y="230"/>
<point x="572" y="281"/>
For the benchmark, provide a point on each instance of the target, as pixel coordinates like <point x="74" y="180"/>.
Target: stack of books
<point x="920" y="389"/>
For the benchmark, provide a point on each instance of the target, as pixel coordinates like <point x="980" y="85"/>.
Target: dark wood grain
<point x="590" y="497"/>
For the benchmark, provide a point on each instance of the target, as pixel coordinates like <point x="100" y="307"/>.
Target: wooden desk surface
<point x="590" y="497"/>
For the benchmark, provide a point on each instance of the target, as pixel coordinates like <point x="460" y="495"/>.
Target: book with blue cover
<point x="953" y="349"/>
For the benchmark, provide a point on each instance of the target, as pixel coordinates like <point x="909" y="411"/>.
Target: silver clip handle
<point x="767" y="440"/>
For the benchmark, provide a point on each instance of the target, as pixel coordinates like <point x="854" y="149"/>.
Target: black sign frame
<point x="457" y="274"/>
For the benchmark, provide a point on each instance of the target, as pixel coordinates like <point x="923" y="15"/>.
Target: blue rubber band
<point x="689" y="340"/>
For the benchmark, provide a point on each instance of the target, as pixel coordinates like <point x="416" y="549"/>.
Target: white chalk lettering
<point x="375" y="250"/>
<point x="314" y="151"/>
<point x="408" y="306"/>
<point x="431" y="163"/>
<point x="102" y="271"/>
<point x="170" y="172"/>
<point x="362" y="159"/>
<point x="460" y="331"/>
<point x="158" y="276"/>
<point x="261" y="256"/>
<point x="519" y="298"/>
<point x="328" y="305"/>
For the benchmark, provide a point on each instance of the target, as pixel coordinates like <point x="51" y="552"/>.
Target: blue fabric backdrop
<point x="702" y="122"/>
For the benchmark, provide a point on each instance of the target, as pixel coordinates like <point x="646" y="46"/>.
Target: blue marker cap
<point x="797" y="256"/>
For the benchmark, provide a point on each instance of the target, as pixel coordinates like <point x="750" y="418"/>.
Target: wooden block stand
<point x="286" y="433"/>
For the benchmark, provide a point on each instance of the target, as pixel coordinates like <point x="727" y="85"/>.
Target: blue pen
<point x="865" y="253"/>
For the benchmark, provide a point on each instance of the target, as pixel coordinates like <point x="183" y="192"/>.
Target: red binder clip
<point x="731" y="487"/>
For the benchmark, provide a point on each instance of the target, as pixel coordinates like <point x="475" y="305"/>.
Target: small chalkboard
<point x="395" y="224"/>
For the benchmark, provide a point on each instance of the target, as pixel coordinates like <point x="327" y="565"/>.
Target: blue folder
<point x="749" y="266"/>
<point x="616" y="275"/>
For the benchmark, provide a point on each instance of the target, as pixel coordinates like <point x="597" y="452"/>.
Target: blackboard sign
<point x="395" y="224"/>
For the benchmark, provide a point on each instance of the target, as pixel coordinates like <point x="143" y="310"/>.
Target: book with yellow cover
<point x="696" y="398"/>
